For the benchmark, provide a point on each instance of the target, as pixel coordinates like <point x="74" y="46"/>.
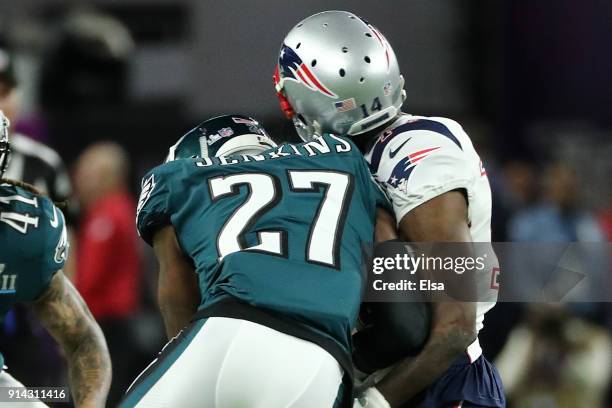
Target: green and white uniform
<point x="33" y="246"/>
<point x="276" y="239"/>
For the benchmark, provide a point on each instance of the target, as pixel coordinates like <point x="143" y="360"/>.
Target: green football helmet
<point x="222" y="136"/>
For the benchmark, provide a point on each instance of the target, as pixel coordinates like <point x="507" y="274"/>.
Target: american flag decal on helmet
<point x="345" y="105"/>
<point x="245" y="121"/>
<point x="292" y="68"/>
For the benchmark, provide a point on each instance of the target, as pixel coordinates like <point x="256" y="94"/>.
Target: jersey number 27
<point x="265" y="192"/>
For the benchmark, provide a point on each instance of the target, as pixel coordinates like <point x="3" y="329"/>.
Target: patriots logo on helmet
<point x="402" y="170"/>
<point x="292" y="68"/>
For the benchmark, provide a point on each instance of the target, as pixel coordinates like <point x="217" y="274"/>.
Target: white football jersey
<point x="417" y="158"/>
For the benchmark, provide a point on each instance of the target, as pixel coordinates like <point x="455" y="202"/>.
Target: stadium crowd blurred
<point x="83" y="81"/>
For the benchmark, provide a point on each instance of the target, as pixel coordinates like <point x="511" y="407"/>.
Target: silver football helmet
<point x="4" y="143"/>
<point x="337" y="73"/>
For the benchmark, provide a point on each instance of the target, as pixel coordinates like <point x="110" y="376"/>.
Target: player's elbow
<point x="457" y="331"/>
<point x="461" y="335"/>
<point x="91" y="341"/>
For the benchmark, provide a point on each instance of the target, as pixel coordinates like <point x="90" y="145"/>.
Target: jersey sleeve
<point x="153" y="211"/>
<point x="376" y="195"/>
<point x="52" y="228"/>
<point x="418" y="165"/>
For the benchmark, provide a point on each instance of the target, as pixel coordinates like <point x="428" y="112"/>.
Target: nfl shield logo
<point x="387" y="89"/>
<point x="226" y="132"/>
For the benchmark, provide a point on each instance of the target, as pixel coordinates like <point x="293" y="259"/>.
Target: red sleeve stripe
<point x="421" y="154"/>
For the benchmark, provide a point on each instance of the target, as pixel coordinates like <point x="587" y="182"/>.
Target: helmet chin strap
<point x="373" y="121"/>
<point x="379" y="118"/>
<point x="403" y="93"/>
<point x="282" y="99"/>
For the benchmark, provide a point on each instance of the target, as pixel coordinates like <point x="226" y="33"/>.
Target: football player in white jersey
<point x="337" y="73"/>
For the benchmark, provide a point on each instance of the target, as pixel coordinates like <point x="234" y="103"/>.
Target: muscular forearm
<point x="64" y="313"/>
<point x="442" y="219"/>
<point x="89" y="370"/>
<point x="412" y="375"/>
<point x="178" y="291"/>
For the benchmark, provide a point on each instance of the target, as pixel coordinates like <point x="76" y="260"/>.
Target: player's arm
<point x="441" y="219"/>
<point x="178" y="291"/>
<point x="385" y="229"/>
<point x="65" y="315"/>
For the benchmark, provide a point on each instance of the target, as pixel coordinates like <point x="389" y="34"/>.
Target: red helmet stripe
<point x="383" y="43"/>
<point x="316" y="83"/>
<point x="304" y="80"/>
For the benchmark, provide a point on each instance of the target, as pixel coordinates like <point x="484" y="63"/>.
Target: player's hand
<point x="371" y="398"/>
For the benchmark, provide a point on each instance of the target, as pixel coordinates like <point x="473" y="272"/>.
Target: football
<point x="392" y="331"/>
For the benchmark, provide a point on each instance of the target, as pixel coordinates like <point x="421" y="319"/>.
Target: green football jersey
<point x="282" y="231"/>
<point x="34" y="245"/>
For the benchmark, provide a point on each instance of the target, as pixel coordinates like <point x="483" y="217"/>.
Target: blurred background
<point x="109" y="85"/>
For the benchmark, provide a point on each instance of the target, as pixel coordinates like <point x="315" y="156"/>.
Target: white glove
<point x="371" y="398"/>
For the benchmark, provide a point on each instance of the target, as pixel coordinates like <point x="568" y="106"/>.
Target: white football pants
<point x="231" y="363"/>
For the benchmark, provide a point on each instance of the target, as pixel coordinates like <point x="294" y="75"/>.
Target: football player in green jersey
<point x="274" y="235"/>
<point x="34" y="246"/>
